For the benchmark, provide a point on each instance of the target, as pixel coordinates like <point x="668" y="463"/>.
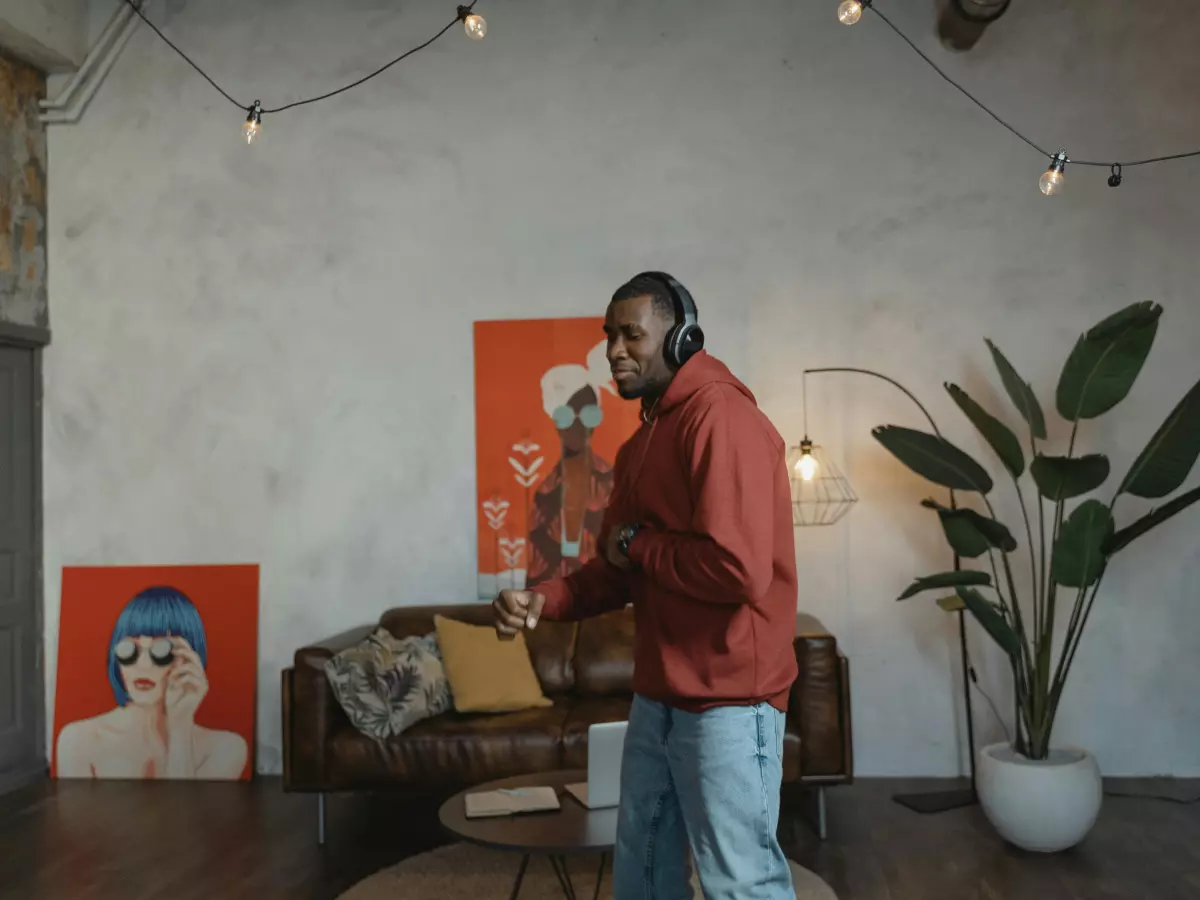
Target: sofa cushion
<point x="604" y="654"/>
<point x="385" y="684"/>
<point x="585" y="712"/>
<point x="487" y="674"/>
<point x="551" y="644"/>
<point x="454" y="749"/>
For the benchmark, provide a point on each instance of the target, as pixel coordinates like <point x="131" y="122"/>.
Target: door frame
<point x="26" y="337"/>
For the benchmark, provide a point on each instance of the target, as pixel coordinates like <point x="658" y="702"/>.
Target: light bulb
<point x="475" y="26"/>
<point x="807" y="467"/>
<point x="849" y="11"/>
<point x="253" y="124"/>
<point x="1052" y="179"/>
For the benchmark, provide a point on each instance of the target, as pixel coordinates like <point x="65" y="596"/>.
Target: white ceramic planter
<point x="1039" y="805"/>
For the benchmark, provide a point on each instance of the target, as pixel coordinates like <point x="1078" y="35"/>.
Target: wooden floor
<point x="137" y="841"/>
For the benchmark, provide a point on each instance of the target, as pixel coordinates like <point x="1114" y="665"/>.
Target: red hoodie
<point x="713" y="584"/>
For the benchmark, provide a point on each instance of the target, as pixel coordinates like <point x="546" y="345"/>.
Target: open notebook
<point x="511" y="802"/>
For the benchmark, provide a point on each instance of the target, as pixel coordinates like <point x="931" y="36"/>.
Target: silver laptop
<point x="606" y="744"/>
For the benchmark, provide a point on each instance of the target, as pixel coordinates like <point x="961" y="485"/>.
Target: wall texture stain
<point x="22" y="196"/>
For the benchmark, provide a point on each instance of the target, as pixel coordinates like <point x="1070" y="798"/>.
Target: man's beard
<point x="643" y="389"/>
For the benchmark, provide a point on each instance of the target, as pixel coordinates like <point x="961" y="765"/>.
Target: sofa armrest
<point x="819" y="703"/>
<point x="310" y="711"/>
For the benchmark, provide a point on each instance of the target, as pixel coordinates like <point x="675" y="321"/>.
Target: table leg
<point x="564" y="879"/>
<point x="520" y="877"/>
<point x="600" y="876"/>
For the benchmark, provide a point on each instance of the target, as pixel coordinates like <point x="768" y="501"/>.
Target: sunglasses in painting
<point x="591" y="416"/>
<point x="161" y="651"/>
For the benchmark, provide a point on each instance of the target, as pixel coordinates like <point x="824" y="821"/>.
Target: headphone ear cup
<point x="672" y="346"/>
<point x="682" y="343"/>
<point x="689" y="343"/>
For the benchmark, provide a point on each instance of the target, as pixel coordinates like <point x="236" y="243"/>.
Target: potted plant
<point x="1038" y="795"/>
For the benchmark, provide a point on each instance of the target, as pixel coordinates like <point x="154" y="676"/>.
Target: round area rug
<point x="467" y="872"/>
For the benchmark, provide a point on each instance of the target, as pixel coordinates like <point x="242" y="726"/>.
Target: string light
<point x="1052" y="180"/>
<point x="253" y="122"/>
<point x="850" y="11"/>
<point x="473" y="24"/>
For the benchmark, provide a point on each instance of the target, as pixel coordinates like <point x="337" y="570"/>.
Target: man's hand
<point x="613" y="553"/>
<point x="516" y="610"/>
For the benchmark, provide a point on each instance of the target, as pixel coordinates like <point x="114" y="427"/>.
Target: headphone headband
<point x="685" y="339"/>
<point x="681" y="297"/>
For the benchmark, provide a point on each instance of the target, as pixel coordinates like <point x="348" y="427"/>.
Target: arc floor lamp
<point x="821" y="495"/>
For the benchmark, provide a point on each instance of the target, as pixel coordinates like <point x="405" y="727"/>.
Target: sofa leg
<point x="822" y="833"/>
<point x="321" y="819"/>
<point x="813" y="810"/>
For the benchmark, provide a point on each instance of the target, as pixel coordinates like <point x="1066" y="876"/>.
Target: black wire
<point x="954" y="83"/>
<point x="969" y="96"/>
<point x="469" y="6"/>
<point x="203" y="75"/>
<point x="354" y="84"/>
<point x="1136" y="162"/>
<point x="465" y="8"/>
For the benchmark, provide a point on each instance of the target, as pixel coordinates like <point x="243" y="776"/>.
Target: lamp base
<point x="938" y="801"/>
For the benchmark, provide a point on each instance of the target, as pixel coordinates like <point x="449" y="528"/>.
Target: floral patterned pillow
<point x="386" y="684"/>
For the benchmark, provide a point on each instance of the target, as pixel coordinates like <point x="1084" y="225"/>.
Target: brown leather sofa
<point x="585" y="668"/>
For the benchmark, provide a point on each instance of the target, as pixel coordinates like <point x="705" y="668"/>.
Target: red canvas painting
<point x="157" y="668"/>
<point x="548" y="423"/>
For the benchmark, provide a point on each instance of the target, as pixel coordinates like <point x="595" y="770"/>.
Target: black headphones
<point x="685" y="339"/>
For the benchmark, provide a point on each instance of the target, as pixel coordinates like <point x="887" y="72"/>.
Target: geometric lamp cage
<point x="821" y="494"/>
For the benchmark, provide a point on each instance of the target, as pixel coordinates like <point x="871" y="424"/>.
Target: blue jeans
<point x="705" y="782"/>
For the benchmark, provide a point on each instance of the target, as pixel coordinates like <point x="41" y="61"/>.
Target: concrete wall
<point x="264" y="353"/>
<point x="22" y="195"/>
<point x="51" y="34"/>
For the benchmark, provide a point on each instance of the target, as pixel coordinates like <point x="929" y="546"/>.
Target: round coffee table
<point x="556" y="834"/>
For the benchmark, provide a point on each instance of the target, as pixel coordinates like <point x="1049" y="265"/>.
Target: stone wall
<point x="22" y="196"/>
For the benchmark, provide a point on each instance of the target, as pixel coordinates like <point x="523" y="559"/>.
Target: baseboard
<point x="19" y="778"/>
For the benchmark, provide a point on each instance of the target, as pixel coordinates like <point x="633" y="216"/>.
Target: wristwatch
<point x="625" y="537"/>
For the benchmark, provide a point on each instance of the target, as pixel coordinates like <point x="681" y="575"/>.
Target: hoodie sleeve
<point x="595" y="588"/>
<point x="727" y="556"/>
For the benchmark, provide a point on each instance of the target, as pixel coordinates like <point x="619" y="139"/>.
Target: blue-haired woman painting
<point x="156" y="659"/>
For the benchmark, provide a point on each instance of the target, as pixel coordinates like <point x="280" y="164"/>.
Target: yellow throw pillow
<point x="485" y="673"/>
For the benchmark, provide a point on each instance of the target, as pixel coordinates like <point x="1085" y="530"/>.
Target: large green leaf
<point x="1134" y="530"/>
<point x="995" y="432"/>
<point x="1064" y="477"/>
<point x="1021" y="393"/>
<point x="1169" y="456"/>
<point x="1136" y="313"/>
<point x="992" y="621"/>
<point x="1106" y="361"/>
<point x="1078" y="557"/>
<point x="934" y="458"/>
<point x="945" y="579"/>
<point x="972" y="534"/>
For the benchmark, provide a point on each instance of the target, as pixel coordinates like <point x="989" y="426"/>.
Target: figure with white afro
<point x="569" y="505"/>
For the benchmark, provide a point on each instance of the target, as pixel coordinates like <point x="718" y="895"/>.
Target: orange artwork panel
<point x="157" y="671"/>
<point x="548" y="424"/>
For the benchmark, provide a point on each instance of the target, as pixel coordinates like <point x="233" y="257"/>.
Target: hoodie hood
<point x="697" y="373"/>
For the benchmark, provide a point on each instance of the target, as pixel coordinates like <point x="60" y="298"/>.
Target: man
<point x="698" y="537"/>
